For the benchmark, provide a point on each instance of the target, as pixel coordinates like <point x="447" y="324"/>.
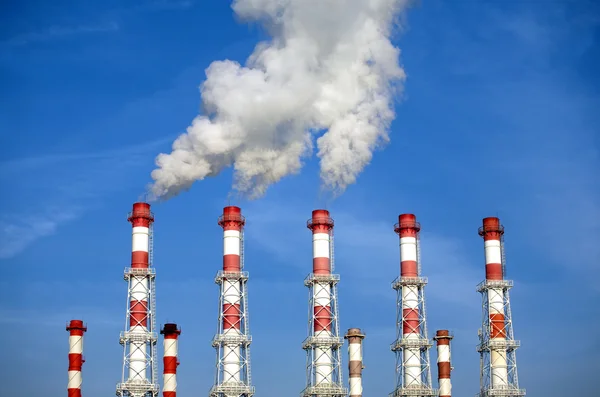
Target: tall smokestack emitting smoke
<point x="443" y="338"/>
<point x="76" y="330"/>
<point x="139" y="377"/>
<point x="329" y="70"/>
<point x="170" y="361"/>
<point x="355" y="361"/>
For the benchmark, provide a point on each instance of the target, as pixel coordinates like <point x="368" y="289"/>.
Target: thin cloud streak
<point x="16" y="234"/>
<point x="90" y="176"/>
<point x="8" y="167"/>
<point x="57" y="32"/>
<point x="158" y="5"/>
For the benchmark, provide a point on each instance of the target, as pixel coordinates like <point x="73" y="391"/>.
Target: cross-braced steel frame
<point x="139" y="341"/>
<point x="505" y="347"/>
<point x="233" y="344"/>
<point x="414" y="344"/>
<point x="321" y="343"/>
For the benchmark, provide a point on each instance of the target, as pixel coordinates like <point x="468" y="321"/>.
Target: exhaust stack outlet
<point x="76" y="330"/>
<point x="170" y="362"/>
<point x="443" y="338"/>
<point x="355" y="363"/>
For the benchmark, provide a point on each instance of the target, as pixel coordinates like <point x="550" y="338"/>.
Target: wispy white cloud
<point x="9" y="167"/>
<point x="70" y="183"/>
<point x="157" y="5"/>
<point x="16" y="233"/>
<point x="57" y="32"/>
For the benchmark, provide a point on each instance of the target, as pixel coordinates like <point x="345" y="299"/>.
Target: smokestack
<point x="497" y="344"/>
<point x="170" y="362"/>
<point x="443" y="338"/>
<point x="323" y="342"/>
<point x="140" y="375"/>
<point x="355" y="363"/>
<point x="413" y="373"/>
<point x="76" y="330"/>
<point x="233" y="339"/>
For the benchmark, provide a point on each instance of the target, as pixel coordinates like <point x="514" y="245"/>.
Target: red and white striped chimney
<point x="76" y="330"/>
<point x="232" y="223"/>
<point x="170" y="362"/>
<point x="443" y="338"/>
<point x="408" y="230"/>
<point x="492" y="233"/>
<point x="140" y="219"/>
<point x="355" y="361"/>
<point x="321" y="225"/>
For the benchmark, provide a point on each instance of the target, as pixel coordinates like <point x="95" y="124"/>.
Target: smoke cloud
<point x="329" y="72"/>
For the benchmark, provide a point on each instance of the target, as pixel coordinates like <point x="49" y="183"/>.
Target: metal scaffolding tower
<point x="140" y="369"/>
<point x="413" y="372"/>
<point x="323" y="359"/>
<point x="232" y="340"/>
<point x="497" y="347"/>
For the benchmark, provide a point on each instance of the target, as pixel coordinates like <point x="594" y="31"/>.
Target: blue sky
<point x="499" y="118"/>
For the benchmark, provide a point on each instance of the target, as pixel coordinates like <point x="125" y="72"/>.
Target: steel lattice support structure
<point x="497" y="344"/>
<point x="170" y="362"/>
<point x="232" y="341"/>
<point x="413" y="372"/>
<point x="76" y="330"/>
<point x="140" y="370"/>
<point x="323" y="369"/>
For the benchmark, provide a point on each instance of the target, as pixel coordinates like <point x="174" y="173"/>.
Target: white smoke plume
<point x="329" y="72"/>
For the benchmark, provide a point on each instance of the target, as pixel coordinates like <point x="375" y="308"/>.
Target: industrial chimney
<point x="497" y="344"/>
<point x="323" y="376"/>
<point x="413" y="373"/>
<point x="170" y="362"/>
<point x="76" y="330"/>
<point x="140" y="370"/>
<point x="232" y="341"/>
<point x="355" y="361"/>
<point x="443" y="338"/>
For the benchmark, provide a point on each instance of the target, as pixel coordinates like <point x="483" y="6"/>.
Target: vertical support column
<point x="355" y="361"/>
<point x="76" y="330"/>
<point x="170" y="361"/>
<point x="443" y="338"/>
